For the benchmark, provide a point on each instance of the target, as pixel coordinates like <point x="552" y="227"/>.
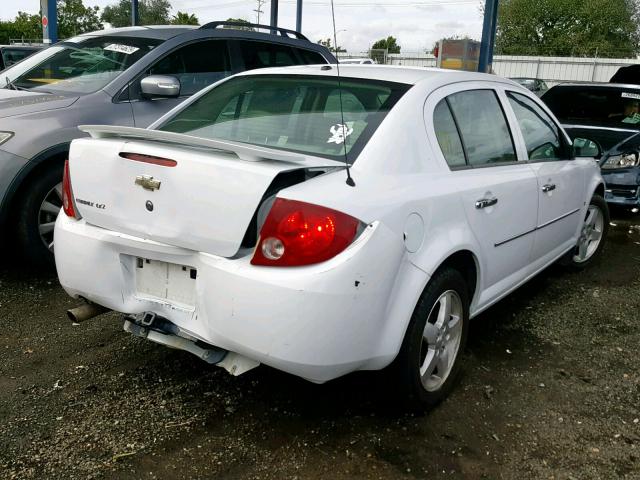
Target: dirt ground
<point x="550" y="390"/>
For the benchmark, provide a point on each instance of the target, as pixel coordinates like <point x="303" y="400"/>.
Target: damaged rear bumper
<point x="318" y="322"/>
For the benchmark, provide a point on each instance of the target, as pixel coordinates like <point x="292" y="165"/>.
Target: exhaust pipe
<point x="85" y="312"/>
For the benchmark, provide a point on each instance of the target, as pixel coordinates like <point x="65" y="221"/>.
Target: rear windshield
<point x="295" y="113"/>
<point x="607" y="107"/>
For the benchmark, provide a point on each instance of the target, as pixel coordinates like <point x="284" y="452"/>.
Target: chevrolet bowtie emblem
<point x="147" y="182"/>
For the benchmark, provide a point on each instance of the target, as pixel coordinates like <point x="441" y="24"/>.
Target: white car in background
<point x="229" y="228"/>
<point x="357" y="61"/>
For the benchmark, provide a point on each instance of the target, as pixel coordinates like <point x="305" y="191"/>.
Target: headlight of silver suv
<point x="625" y="160"/>
<point x="4" y="136"/>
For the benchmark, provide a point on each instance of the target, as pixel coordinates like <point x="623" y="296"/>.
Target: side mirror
<point x="583" y="147"/>
<point x="164" y="86"/>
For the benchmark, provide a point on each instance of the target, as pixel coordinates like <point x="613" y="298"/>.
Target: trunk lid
<point x="204" y="203"/>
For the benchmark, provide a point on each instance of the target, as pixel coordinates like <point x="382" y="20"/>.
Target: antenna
<point x="350" y="181"/>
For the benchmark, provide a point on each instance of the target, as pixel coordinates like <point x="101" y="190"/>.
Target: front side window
<point x="483" y="127"/>
<point x="196" y="65"/>
<point x="296" y="113"/>
<point x="81" y="65"/>
<point x="541" y="134"/>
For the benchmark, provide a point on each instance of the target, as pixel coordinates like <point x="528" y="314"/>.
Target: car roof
<point x="159" y="32"/>
<point x="165" y="32"/>
<point x="388" y="73"/>
<point x="625" y="86"/>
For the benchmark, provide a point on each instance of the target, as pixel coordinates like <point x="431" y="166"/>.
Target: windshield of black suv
<point x="295" y="113"/>
<point x="613" y="107"/>
<point x="78" y="66"/>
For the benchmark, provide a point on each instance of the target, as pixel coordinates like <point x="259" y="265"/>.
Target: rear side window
<point x="196" y="65"/>
<point x="447" y="135"/>
<point x="263" y="55"/>
<point x="485" y="134"/>
<point x="311" y="58"/>
<point x="296" y="113"/>
<point x="541" y="134"/>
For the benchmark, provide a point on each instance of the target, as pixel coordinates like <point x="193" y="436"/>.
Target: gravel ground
<point x="550" y="390"/>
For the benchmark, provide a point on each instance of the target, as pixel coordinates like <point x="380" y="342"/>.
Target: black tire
<point x="405" y="369"/>
<point x="28" y="215"/>
<point x="569" y="260"/>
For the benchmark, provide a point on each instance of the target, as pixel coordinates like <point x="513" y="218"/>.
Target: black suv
<point x="608" y="114"/>
<point x="126" y="76"/>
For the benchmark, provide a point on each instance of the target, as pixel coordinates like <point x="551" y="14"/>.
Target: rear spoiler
<point x="244" y="151"/>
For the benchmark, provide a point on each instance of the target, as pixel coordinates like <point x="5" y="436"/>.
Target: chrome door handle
<point x="548" y="187"/>
<point x="486" y="202"/>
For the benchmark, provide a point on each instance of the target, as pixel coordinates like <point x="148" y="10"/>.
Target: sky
<point x="416" y="24"/>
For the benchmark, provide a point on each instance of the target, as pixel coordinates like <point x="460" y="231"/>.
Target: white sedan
<point x="231" y="228"/>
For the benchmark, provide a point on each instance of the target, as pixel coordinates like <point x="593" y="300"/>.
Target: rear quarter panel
<point x="397" y="175"/>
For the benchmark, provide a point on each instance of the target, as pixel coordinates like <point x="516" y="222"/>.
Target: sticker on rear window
<point x="118" y="47"/>
<point x="340" y="132"/>
<point x="631" y="95"/>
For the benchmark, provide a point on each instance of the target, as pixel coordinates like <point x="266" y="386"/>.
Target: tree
<point x="390" y="44"/>
<point x="24" y="26"/>
<point x="74" y="18"/>
<point x="152" y="12"/>
<point x="327" y="43"/>
<point x="242" y="21"/>
<point x="606" y="28"/>
<point x="183" y="18"/>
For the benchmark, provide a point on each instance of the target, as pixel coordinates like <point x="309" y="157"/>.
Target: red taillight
<point x="139" y="157"/>
<point x="67" y="194"/>
<point x="297" y="233"/>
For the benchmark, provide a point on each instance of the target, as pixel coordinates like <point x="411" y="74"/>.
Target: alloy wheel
<point x="441" y="340"/>
<point x="47" y="214"/>
<point x="590" y="235"/>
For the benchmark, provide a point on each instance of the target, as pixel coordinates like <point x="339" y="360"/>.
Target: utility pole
<point x="49" y="14"/>
<point x="488" y="35"/>
<point x="274" y="15"/>
<point x="298" y="15"/>
<point x="135" y="17"/>
<point x="259" y="9"/>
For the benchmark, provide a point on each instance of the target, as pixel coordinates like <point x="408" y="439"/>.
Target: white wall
<point x="551" y="69"/>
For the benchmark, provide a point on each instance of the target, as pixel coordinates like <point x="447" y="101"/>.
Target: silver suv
<point x="125" y="76"/>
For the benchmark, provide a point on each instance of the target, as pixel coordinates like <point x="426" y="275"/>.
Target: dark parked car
<point x="629" y="75"/>
<point x="126" y="76"/>
<point x="534" y="85"/>
<point x="10" y="54"/>
<point x="609" y="115"/>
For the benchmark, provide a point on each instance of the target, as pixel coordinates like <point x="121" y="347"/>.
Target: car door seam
<point x="540" y="227"/>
